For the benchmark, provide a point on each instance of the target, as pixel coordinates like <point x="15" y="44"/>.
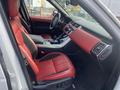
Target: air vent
<point x="99" y="47"/>
<point x="68" y="30"/>
<point x="75" y="24"/>
<point x="102" y="51"/>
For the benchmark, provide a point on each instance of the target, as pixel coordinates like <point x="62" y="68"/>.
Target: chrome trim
<point x="102" y="51"/>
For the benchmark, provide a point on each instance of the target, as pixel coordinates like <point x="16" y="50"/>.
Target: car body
<point x="90" y="46"/>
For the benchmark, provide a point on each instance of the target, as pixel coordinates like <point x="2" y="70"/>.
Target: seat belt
<point x="24" y="11"/>
<point x="25" y="24"/>
<point x="30" y="71"/>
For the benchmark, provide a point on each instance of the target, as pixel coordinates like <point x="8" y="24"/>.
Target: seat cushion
<point x="55" y="66"/>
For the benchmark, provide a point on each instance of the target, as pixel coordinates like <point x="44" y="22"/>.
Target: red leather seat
<point x="54" y="66"/>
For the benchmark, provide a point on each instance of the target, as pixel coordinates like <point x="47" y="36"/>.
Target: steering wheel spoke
<point x="55" y="21"/>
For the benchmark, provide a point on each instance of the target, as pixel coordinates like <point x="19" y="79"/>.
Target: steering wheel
<point x="55" y="21"/>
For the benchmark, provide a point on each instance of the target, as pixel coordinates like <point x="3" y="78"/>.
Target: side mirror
<point x="55" y="12"/>
<point x="72" y="2"/>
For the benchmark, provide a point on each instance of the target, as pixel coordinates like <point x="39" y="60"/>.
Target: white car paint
<point x="17" y="78"/>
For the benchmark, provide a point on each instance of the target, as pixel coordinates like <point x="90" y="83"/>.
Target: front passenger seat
<point x="53" y="71"/>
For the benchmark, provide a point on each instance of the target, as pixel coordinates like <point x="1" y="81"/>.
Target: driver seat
<point x="27" y="26"/>
<point x="25" y="20"/>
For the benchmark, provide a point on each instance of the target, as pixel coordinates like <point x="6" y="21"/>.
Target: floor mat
<point x="90" y="76"/>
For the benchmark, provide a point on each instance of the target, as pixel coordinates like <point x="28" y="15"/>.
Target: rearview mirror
<point x="72" y="2"/>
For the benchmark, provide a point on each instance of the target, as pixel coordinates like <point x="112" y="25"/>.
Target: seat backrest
<point x="25" y="43"/>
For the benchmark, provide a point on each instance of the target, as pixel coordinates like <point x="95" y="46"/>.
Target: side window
<point x="39" y="7"/>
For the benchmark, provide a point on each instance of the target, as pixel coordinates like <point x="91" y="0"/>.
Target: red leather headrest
<point x="13" y="7"/>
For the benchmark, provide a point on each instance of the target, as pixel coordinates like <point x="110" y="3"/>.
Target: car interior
<point x="59" y="53"/>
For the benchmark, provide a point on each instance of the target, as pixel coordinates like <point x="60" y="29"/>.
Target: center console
<point x="59" y="42"/>
<point x="86" y="41"/>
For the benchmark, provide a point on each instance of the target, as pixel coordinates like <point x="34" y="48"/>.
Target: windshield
<point x="75" y="11"/>
<point x="79" y="15"/>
